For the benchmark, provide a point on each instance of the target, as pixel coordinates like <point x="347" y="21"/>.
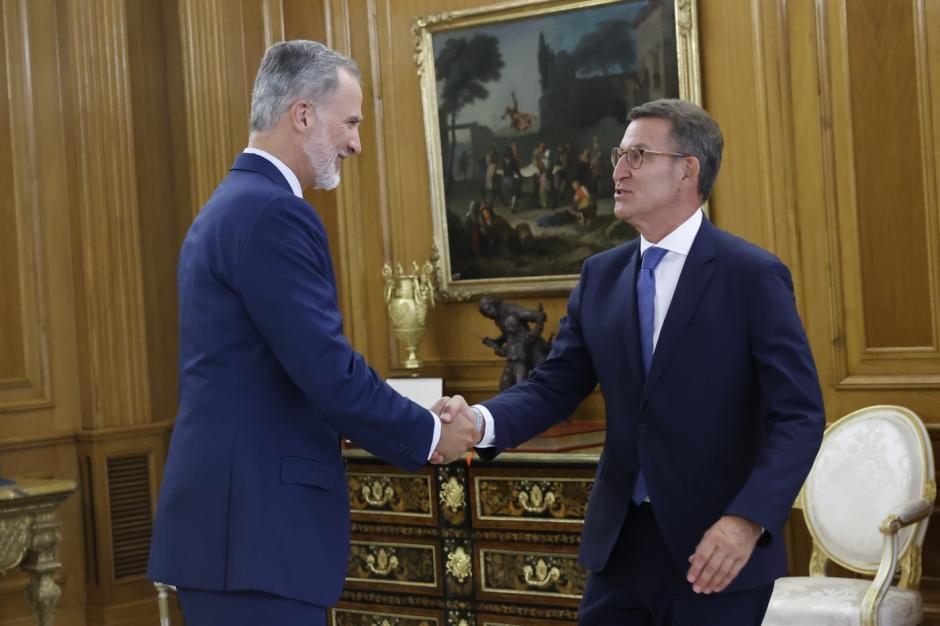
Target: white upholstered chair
<point x="866" y="503"/>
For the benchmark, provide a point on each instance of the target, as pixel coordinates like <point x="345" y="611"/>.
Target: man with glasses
<point x="713" y="407"/>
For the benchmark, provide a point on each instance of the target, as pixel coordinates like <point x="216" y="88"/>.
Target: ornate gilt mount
<point x="459" y="564"/>
<point x="541" y="575"/>
<point x="817" y="561"/>
<point x="382" y="562"/>
<point x="452" y="495"/>
<point x="378" y="492"/>
<point x="535" y="498"/>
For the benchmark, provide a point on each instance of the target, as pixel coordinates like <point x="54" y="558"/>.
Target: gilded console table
<point x="29" y="536"/>
<point x="491" y="544"/>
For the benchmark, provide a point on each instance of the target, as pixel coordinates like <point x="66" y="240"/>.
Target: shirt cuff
<point x="437" y="433"/>
<point x="489" y="433"/>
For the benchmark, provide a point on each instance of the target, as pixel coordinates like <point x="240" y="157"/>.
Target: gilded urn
<point x="407" y="297"/>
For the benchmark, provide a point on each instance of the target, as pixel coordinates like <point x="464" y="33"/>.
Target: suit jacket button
<point x="641" y="427"/>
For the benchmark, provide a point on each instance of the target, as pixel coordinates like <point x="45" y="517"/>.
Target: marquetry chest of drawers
<point x="486" y="545"/>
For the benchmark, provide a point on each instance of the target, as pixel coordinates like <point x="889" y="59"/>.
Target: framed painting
<point x="523" y="102"/>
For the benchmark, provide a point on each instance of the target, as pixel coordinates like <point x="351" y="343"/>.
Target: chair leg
<point x="163" y="602"/>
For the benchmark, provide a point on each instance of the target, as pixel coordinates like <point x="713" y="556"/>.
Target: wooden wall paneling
<point x="355" y="207"/>
<point x="927" y="49"/>
<point x="208" y="116"/>
<point x="161" y="222"/>
<point x="775" y="99"/>
<point x="746" y="87"/>
<point x="105" y="210"/>
<point x="24" y="358"/>
<point x="43" y="397"/>
<point x="732" y="77"/>
<point x="886" y="316"/>
<point x="883" y="78"/>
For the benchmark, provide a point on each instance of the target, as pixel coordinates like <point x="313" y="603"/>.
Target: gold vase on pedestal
<point x="407" y="298"/>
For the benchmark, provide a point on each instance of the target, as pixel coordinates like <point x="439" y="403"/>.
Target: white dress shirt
<point x="294" y="182"/>
<point x="677" y="244"/>
<point x="287" y="172"/>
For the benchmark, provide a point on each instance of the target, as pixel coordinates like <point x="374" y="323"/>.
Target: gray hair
<point x="291" y="71"/>
<point x="695" y="132"/>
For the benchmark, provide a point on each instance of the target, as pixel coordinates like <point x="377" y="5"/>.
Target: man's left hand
<point x="722" y="552"/>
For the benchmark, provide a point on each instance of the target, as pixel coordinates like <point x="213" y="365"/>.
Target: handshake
<point x="458" y="429"/>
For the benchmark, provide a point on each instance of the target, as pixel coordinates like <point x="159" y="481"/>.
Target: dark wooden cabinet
<point x="490" y="544"/>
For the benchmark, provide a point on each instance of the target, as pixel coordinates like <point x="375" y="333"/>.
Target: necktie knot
<point x="652" y="257"/>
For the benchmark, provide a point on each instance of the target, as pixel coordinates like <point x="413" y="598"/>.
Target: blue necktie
<point x="646" y="305"/>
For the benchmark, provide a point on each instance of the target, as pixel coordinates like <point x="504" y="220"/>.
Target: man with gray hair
<point x="713" y="406"/>
<point x="252" y="524"/>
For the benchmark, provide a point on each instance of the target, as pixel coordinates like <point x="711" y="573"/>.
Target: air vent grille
<point x="131" y="515"/>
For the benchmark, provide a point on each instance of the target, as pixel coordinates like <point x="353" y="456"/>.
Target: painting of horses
<point x="523" y="103"/>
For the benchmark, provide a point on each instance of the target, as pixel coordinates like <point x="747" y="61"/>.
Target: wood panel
<point x="24" y="359"/>
<point x="107" y="237"/>
<point x="883" y="81"/>
<point x="162" y="209"/>
<point x="880" y="169"/>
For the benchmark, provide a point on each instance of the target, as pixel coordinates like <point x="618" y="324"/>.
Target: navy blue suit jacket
<point x="729" y="420"/>
<point x="254" y="493"/>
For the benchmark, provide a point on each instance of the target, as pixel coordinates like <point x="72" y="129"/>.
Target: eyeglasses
<point x="635" y="156"/>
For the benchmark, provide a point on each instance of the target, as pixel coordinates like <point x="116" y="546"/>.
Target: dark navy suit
<point x="254" y="494"/>
<point x="728" y="421"/>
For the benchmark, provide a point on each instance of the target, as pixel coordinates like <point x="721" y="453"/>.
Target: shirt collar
<point x="679" y="240"/>
<point x="292" y="179"/>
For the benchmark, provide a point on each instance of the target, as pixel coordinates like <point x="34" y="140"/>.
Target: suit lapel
<point x="696" y="273"/>
<point x="629" y="324"/>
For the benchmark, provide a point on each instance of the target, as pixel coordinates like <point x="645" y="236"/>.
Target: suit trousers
<point x="202" y="607"/>
<point x="642" y="586"/>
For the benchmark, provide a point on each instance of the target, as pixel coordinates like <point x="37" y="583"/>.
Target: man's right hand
<point x="458" y="429"/>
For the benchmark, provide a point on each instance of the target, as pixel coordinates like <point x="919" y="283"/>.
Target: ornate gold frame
<point x="690" y="88"/>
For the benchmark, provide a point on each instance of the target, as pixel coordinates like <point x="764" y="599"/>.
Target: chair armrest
<point x="908" y="513"/>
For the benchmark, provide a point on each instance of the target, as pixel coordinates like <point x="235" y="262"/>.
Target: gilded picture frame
<point x="522" y="102"/>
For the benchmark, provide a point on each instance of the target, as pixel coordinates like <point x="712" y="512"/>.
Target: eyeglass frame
<point x="618" y="153"/>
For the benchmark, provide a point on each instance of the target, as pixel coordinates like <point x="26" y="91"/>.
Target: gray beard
<point x="323" y="162"/>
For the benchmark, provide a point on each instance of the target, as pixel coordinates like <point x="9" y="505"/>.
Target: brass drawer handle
<point x="378" y="493"/>
<point x="382" y="563"/>
<point x="536" y="500"/>
<point x="541" y="576"/>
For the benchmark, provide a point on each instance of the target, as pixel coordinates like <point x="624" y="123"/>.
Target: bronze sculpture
<point x="522" y="346"/>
